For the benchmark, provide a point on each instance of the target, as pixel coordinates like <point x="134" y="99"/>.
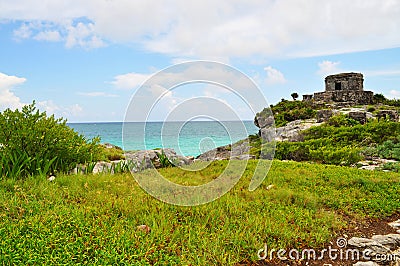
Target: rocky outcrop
<point x="154" y="158"/>
<point x="324" y="115"/>
<point x="136" y="161"/>
<point x="290" y="132"/>
<point x="237" y="151"/>
<point x="395" y="225"/>
<point x="110" y="146"/>
<point x="392" y="115"/>
<point x="358" y="116"/>
<point x="379" y="249"/>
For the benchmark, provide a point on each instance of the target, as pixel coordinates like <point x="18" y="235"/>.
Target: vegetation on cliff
<point x="339" y="141"/>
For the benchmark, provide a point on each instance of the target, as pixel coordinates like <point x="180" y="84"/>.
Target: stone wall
<point x="356" y="97"/>
<point x="344" y="82"/>
<point x="392" y="115"/>
<point x="343" y="88"/>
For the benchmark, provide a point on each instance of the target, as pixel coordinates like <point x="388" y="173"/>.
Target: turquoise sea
<point x="186" y="138"/>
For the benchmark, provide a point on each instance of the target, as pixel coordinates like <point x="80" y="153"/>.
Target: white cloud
<point x="328" y="68"/>
<point x="50" y="107"/>
<point x="81" y="34"/>
<point x="220" y="29"/>
<point x="385" y="72"/>
<point x="51" y="36"/>
<point x="7" y="97"/>
<point x="75" y="110"/>
<point x="129" y="80"/>
<point x="97" y="94"/>
<point x="274" y="76"/>
<point x="394" y="93"/>
<point x="169" y="88"/>
<point x="23" y="32"/>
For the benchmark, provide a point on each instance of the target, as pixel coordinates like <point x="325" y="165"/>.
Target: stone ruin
<point x="392" y="115"/>
<point x="343" y="88"/>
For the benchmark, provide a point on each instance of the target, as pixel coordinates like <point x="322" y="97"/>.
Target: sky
<point x="85" y="60"/>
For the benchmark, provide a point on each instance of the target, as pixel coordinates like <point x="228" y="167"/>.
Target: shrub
<point x="32" y="143"/>
<point x="342" y="120"/>
<point x="389" y="150"/>
<point x="112" y="154"/>
<point x="287" y="111"/>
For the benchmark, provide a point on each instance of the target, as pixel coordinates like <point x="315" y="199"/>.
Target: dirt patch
<point x="355" y="228"/>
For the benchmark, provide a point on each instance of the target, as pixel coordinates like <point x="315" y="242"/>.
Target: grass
<point x="92" y="219"/>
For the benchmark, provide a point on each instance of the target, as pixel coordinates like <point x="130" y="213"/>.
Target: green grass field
<point x="92" y="219"/>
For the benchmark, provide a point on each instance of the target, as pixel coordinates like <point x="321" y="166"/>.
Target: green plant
<point x="342" y="120"/>
<point x="92" y="220"/>
<point x="32" y="143"/>
<point x="379" y="98"/>
<point x="287" y="111"/>
<point x="112" y="154"/>
<point x="394" y="167"/>
<point x="163" y="159"/>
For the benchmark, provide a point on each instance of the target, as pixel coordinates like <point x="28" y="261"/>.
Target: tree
<point x="379" y="98"/>
<point x="294" y="96"/>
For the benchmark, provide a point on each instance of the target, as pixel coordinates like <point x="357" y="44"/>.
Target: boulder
<point x="373" y="246"/>
<point x="238" y="151"/>
<point x="358" y="116"/>
<point x="366" y="263"/>
<point x="292" y="131"/>
<point x="262" y="121"/>
<point x="392" y="115"/>
<point x="111" y="146"/>
<point x="324" y="115"/>
<point x="390" y="241"/>
<point x="151" y="158"/>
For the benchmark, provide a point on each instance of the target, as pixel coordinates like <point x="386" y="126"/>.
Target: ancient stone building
<point x="343" y="88"/>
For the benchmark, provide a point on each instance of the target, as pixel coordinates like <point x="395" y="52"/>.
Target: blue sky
<point x="84" y="60"/>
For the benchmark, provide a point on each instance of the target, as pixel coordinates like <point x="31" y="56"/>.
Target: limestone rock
<point x="395" y="224"/>
<point x="366" y="263"/>
<point x="151" y="158"/>
<point x="101" y="167"/>
<point x="110" y="146"/>
<point x="292" y="131"/>
<point x="359" y="116"/>
<point x="390" y="241"/>
<point x="372" y="245"/>
<point x="238" y="151"/>
<point x="264" y="119"/>
<point x="144" y="228"/>
<point x="324" y="115"/>
<point x="392" y="115"/>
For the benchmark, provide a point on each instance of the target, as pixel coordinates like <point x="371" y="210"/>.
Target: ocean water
<point x="186" y="138"/>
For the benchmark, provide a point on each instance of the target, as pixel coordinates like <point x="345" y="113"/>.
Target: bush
<point x="389" y="150"/>
<point x="287" y="111"/>
<point x="112" y="154"/>
<point x="344" y="142"/>
<point x="342" y="120"/>
<point x="32" y="143"/>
